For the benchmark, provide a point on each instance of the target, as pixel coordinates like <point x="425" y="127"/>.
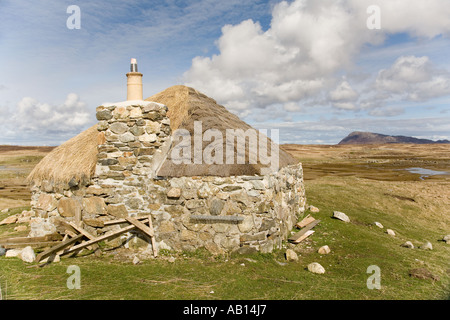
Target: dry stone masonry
<point x="221" y="214"/>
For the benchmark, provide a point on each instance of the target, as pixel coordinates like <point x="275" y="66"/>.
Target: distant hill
<point x="358" y="137"/>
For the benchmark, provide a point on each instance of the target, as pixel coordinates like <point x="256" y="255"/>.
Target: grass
<point x="416" y="210"/>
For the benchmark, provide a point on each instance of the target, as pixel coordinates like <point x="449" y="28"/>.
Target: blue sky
<point x="310" y="68"/>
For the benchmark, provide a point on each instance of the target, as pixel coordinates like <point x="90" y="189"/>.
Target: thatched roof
<point x="76" y="159"/>
<point x="186" y="105"/>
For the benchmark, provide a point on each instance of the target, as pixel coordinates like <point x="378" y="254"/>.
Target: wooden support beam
<point x="42" y="244"/>
<point x="140" y="226"/>
<point x="150" y="225"/>
<point x="94" y="247"/>
<point x="299" y="234"/>
<point x="119" y="221"/>
<point x="147" y="230"/>
<point x="18" y="240"/>
<point x="101" y="238"/>
<point x="58" y="247"/>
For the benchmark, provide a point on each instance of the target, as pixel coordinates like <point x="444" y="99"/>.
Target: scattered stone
<point x="20" y="228"/>
<point x="408" y="244"/>
<point x="281" y="263"/>
<point x="5" y="210"/>
<point x="341" y="216"/>
<point x="446" y="239"/>
<point x="291" y="255"/>
<point x="316" y="268"/>
<point x="9" y="220"/>
<point x="2" y="251"/>
<point x="40" y="227"/>
<point x="379" y="225"/>
<point x="324" y="250"/>
<point x="11" y="253"/>
<point x="313" y="209"/>
<point x="171" y="259"/>
<point x="136" y="260"/>
<point x="427" y="246"/>
<point x="27" y="254"/>
<point x="423" y="273"/>
<point x="390" y="232"/>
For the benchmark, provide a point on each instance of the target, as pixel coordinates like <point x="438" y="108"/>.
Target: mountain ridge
<point x="360" y="137"/>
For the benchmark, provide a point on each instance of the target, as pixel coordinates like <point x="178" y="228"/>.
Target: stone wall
<point x="222" y="214"/>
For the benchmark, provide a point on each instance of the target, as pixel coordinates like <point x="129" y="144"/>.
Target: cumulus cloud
<point x="34" y="117"/>
<point x="308" y="44"/>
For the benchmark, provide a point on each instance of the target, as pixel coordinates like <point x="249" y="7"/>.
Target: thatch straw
<point x="77" y="158"/>
<point x="186" y="105"/>
<point x="74" y="159"/>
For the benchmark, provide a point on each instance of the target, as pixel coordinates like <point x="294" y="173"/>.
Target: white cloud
<point x="414" y="79"/>
<point x="34" y="117"/>
<point x="308" y="43"/>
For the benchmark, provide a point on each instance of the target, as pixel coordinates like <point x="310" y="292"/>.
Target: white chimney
<point x="134" y="82"/>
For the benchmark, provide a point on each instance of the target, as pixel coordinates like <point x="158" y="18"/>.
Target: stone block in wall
<point x="46" y="202"/>
<point x="94" y="206"/>
<point x="216" y="206"/>
<point x="118" y="211"/>
<point x="69" y="207"/>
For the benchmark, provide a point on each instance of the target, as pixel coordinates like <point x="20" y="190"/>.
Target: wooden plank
<point x="31" y="244"/>
<point x="119" y="221"/>
<point x="101" y="238"/>
<point x="59" y="246"/>
<point x="94" y="247"/>
<point x="150" y="225"/>
<point x="17" y="240"/>
<point x="307" y="220"/>
<point x="303" y="237"/>
<point x="296" y="236"/>
<point x="141" y="226"/>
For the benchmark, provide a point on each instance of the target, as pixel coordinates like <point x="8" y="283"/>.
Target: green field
<point x="416" y="210"/>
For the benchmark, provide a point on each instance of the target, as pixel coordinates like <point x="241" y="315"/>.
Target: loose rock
<point x="427" y="246"/>
<point x="324" y="250"/>
<point x="390" y="232"/>
<point x="27" y="254"/>
<point x="9" y="220"/>
<point x="313" y="209"/>
<point x="20" y="228"/>
<point x="291" y="255"/>
<point x="2" y="251"/>
<point x="316" y="268"/>
<point x="136" y="260"/>
<point x="379" y="225"/>
<point x="446" y="239"/>
<point x="11" y="253"/>
<point x="341" y="216"/>
<point x="408" y="244"/>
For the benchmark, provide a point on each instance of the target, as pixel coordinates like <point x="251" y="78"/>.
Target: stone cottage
<point x="206" y="178"/>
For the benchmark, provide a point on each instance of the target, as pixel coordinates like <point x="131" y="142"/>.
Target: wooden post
<point x="98" y="239"/>
<point x="147" y="230"/>
<point x="150" y="225"/>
